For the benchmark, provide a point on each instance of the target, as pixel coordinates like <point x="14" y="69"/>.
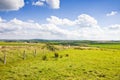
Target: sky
<point x="60" y="19"/>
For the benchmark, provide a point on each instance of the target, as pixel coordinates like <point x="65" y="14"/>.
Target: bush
<point x="56" y="55"/>
<point x="61" y="56"/>
<point x="66" y="55"/>
<point x="44" y="57"/>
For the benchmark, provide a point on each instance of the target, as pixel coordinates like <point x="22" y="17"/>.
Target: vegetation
<point x="88" y="60"/>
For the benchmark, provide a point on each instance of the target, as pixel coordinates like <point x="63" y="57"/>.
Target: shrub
<point x="66" y="55"/>
<point x="56" y="55"/>
<point x="61" y="56"/>
<point x="44" y="57"/>
<point x="101" y="75"/>
<point x="50" y="47"/>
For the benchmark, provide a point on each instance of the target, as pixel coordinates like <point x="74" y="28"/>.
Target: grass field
<point x="110" y="46"/>
<point x="97" y="62"/>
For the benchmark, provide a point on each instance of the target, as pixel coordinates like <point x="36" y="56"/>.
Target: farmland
<point x="53" y="61"/>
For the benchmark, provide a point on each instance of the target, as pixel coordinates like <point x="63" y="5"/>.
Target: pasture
<point x="35" y="61"/>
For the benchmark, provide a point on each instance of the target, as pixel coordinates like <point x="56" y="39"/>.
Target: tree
<point x="51" y="47"/>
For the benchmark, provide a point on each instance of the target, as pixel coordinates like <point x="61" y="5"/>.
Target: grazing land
<point x="59" y="60"/>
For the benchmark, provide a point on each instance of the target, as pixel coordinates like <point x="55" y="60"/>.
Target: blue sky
<point x="105" y="12"/>
<point x="68" y="9"/>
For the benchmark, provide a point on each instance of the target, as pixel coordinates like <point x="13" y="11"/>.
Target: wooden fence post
<point x="4" y="58"/>
<point x="24" y="55"/>
<point x="35" y="53"/>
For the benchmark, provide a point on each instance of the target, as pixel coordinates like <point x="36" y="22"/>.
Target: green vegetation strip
<point x="63" y="64"/>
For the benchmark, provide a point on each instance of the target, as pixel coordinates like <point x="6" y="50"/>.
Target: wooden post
<point x="4" y="58"/>
<point x="24" y="55"/>
<point x="35" y="53"/>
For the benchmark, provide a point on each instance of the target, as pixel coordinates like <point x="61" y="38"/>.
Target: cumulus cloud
<point x="83" y="20"/>
<point x="54" y="4"/>
<point x="7" y="5"/>
<point x="82" y="28"/>
<point x="115" y="27"/>
<point x="112" y="13"/>
<point x="57" y="21"/>
<point x="38" y="3"/>
<point x="1" y="20"/>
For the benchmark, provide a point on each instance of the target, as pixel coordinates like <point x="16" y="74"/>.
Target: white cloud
<point x="55" y="4"/>
<point x="1" y="20"/>
<point x="7" y="5"/>
<point x="82" y="21"/>
<point x="57" y="21"/>
<point x="85" y="20"/>
<point x="115" y="27"/>
<point x="38" y="3"/>
<point x="112" y="13"/>
<point x="82" y="28"/>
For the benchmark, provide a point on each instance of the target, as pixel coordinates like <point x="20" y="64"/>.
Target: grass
<point x="75" y="64"/>
<point x="106" y="45"/>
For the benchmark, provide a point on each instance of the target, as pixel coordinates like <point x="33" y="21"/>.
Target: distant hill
<point x="64" y="42"/>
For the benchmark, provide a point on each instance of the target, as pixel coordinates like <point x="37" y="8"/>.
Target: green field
<point x="95" y="62"/>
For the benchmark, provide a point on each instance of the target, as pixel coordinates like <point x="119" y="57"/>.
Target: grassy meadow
<point x="40" y="61"/>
